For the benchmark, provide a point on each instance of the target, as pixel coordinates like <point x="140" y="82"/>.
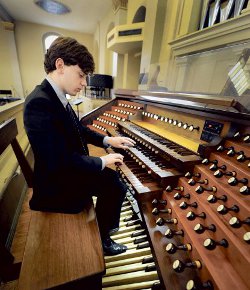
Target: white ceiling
<point x="84" y="15"/>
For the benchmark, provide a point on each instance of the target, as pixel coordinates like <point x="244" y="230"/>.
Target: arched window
<point x="48" y="38"/>
<point x="140" y="15"/>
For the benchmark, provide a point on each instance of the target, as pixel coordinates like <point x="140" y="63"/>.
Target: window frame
<point x="45" y="36"/>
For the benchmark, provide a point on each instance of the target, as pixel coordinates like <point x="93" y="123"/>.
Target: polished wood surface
<point x="60" y="248"/>
<point x="235" y="258"/>
<point x="20" y="238"/>
<point x="219" y="265"/>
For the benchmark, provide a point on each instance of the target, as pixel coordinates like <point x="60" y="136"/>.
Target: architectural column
<point x="120" y="12"/>
<point x="153" y="31"/>
<point x="119" y="79"/>
<point x="131" y="71"/>
<point x="190" y="17"/>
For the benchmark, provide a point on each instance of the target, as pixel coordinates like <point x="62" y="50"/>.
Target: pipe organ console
<point x="186" y="220"/>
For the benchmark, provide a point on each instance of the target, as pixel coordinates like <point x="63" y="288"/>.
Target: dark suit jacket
<point x="62" y="173"/>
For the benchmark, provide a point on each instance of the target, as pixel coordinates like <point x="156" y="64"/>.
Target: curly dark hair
<point x="72" y="53"/>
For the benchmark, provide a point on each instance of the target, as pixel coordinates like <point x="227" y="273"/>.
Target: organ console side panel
<point x="188" y="191"/>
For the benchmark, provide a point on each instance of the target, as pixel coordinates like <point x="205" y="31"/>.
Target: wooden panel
<point x="8" y="133"/>
<point x="61" y="248"/>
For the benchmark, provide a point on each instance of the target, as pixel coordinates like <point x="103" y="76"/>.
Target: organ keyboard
<point x="188" y="178"/>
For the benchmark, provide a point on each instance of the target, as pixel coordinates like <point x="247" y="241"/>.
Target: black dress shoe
<point x="111" y="248"/>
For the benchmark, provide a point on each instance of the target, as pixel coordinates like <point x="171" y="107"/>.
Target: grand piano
<point x="186" y="218"/>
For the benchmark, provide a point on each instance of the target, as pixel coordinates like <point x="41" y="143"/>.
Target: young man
<point x="65" y="176"/>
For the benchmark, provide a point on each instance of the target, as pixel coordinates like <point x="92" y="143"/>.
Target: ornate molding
<point x="119" y="4"/>
<point x="234" y="30"/>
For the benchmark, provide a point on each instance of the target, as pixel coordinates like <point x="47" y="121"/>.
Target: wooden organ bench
<point x="62" y="251"/>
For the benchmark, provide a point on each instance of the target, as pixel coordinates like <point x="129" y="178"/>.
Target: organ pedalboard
<point x="186" y="220"/>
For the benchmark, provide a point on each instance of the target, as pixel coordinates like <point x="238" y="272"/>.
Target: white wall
<point x="9" y="66"/>
<point x="30" y="50"/>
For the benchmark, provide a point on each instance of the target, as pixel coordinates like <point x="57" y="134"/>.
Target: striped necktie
<point x="77" y="125"/>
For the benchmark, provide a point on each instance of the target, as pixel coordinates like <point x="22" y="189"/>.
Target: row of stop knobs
<point x="160" y="207"/>
<point x="171" y="121"/>
<point x="234" y="221"/>
<point x="178" y="265"/>
<point x="232" y="152"/>
<point x="130" y="106"/>
<point x="219" y="171"/>
<point x="209" y="244"/>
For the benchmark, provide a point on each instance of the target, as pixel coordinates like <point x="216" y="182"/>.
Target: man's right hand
<point x="112" y="158"/>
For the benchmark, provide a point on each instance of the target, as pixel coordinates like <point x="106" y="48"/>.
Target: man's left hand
<point x="121" y="142"/>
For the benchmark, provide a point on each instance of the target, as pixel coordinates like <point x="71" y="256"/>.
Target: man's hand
<point x="112" y="158"/>
<point x="121" y="142"/>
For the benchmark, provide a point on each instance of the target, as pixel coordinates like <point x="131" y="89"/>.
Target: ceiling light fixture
<point x="52" y="6"/>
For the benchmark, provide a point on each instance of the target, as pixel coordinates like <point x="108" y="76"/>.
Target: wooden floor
<point x="19" y="241"/>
